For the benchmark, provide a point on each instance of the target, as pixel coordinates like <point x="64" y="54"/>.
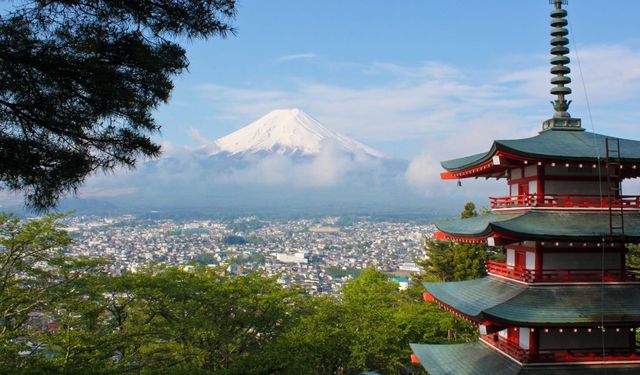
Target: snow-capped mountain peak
<point x="289" y="131"/>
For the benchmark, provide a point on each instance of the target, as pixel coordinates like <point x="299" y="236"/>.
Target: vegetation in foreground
<point x="67" y="315"/>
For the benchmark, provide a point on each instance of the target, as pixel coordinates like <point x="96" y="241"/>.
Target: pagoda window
<point x="573" y="171"/>
<point x="516" y="173"/>
<point x="511" y="257"/>
<point x="530" y="171"/>
<point x="582" y="261"/>
<point x="503" y="333"/>
<point x="571" y="187"/>
<point x="524" y="338"/>
<point x="553" y="339"/>
<point x="530" y="261"/>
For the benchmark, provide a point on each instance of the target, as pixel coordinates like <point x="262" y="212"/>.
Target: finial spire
<point x="560" y="70"/>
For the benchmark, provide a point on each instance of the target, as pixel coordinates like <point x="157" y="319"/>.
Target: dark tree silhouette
<point x="79" y="80"/>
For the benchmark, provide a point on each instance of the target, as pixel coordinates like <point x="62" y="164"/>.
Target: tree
<point x="633" y="256"/>
<point x="79" y="81"/>
<point x="370" y="301"/>
<point x="319" y="340"/>
<point x="451" y="261"/>
<point x="468" y="211"/>
<point x="369" y="329"/>
<point x="37" y="283"/>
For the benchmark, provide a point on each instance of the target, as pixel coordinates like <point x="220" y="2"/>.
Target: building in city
<point x="564" y="300"/>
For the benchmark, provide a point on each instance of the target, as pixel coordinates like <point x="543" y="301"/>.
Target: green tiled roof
<point x="492" y="299"/>
<point x="463" y="359"/>
<point x="552" y="144"/>
<point x="552" y="225"/>
<point x="474" y="296"/>
<point x="478" y="359"/>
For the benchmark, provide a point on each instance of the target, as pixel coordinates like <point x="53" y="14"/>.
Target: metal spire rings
<point x="560" y="70"/>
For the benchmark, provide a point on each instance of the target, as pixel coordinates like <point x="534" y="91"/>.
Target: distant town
<point x="318" y="254"/>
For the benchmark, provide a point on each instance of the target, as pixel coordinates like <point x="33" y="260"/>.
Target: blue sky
<point x="422" y="80"/>
<point x="412" y="78"/>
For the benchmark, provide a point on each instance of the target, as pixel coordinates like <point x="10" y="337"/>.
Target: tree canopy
<point x="79" y="81"/>
<point x="69" y="315"/>
<point x="451" y="261"/>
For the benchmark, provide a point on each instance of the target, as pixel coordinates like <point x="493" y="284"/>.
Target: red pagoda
<point x="564" y="301"/>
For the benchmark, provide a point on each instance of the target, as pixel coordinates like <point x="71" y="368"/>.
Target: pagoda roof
<point x="502" y="302"/>
<point x="540" y="224"/>
<point x="477" y="359"/>
<point x="555" y="144"/>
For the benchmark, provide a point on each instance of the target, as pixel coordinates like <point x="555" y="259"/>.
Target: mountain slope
<point x="288" y="132"/>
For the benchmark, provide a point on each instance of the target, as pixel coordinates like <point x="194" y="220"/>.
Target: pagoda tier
<point x="565" y="225"/>
<point x="554" y="148"/>
<point x="499" y="302"/>
<point x="543" y="325"/>
<point x="547" y="247"/>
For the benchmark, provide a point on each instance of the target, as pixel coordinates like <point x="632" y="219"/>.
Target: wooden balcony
<point x="561" y="275"/>
<point x="562" y="355"/>
<point x="563" y="200"/>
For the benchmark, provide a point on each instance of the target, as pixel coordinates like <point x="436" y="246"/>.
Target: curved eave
<point x="552" y="145"/>
<point x="539" y="225"/>
<point x="490" y="299"/>
<point x="479" y="359"/>
<point x="464" y="359"/>
<point x="477" y="227"/>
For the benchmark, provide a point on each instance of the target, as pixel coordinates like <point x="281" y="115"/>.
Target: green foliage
<point x="633" y="257"/>
<point x="81" y="80"/>
<point x="37" y="284"/>
<point x="234" y="240"/>
<point x="245" y="226"/>
<point x="451" y="261"/>
<point x="468" y="211"/>
<point x="339" y="272"/>
<point x="171" y="320"/>
<point x="370" y="329"/>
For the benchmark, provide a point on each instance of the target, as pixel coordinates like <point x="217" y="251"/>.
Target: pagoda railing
<point x="561" y="275"/>
<point x="508" y="347"/>
<point x="561" y="354"/>
<point x="564" y="200"/>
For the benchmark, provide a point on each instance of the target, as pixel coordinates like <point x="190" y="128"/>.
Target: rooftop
<point x="556" y="144"/>
<point x="489" y="299"/>
<point x="541" y="225"/>
<point x="478" y="358"/>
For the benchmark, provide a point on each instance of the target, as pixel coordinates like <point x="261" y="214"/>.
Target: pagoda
<point x="563" y="301"/>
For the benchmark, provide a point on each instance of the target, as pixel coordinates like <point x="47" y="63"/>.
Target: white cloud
<point x="611" y="73"/>
<point x="101" y="192"/>
<point x="327" y="169"/>
<point x="297" y="56"/>
<point x="198" y="137"/>
<point x="454" y="111"/>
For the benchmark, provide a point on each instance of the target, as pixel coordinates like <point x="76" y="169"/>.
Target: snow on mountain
<point x="290" y="132"/>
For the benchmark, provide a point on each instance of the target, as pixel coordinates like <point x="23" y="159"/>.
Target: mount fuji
<point x="288" y="132"/>
<point x="283" y="161"/>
